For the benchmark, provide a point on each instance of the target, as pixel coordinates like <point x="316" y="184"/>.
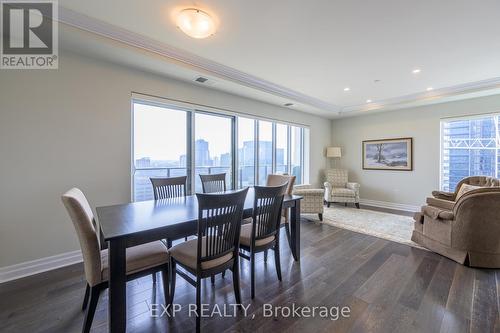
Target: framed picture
<point x="388" y="154"/>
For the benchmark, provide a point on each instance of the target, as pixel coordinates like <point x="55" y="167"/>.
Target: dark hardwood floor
<point x="388" y="287"/>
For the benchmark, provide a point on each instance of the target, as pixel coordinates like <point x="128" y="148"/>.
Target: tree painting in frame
<point x="388" y="154"/>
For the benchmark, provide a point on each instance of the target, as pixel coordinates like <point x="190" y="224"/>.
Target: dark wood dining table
<point x="141" y="222"/>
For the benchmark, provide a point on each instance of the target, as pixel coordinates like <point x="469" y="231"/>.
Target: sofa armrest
<point x="437" y="213"/>
<point x="440" y="203"/>
<point x="444" y="195"/>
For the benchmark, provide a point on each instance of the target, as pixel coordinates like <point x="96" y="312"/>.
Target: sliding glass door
<point x="213" y="152"/>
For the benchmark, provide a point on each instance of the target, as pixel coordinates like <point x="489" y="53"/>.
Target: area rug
<point x="396" y="228"/>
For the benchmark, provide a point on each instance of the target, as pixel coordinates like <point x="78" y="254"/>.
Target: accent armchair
<point x="339" y="189"/>
<point x="468" y="232"/>
<point x="312" y="202"/>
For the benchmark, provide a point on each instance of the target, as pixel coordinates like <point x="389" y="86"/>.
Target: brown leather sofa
<point x="466" y="230"/>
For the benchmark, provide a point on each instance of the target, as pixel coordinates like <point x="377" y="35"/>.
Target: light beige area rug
<point x="396" y="228"/>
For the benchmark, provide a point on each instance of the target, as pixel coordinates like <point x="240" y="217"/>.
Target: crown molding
<point x="83" y="22"/>
<point x="436" y="96"/>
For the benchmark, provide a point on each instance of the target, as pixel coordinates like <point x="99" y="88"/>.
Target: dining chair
<point x="173" y="187"/>
<point x="142" y="260"/>
<point x="166" y="188"/>
<point x="277" y="180"/>
<point x="264" y="231"/>
<point x="216" y="247"/>
<point x="213" y="183"/>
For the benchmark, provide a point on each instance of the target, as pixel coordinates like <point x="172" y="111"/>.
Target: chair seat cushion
<point x="343" y="192"/>
<point x="139" y="258"/>
<point x="187" y="254"/>
<point x="246" y="236"/>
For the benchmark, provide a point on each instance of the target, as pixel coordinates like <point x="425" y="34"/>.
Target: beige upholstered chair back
<point x="277" y="180"/>
<point x="482" y="181"/>
<point x="337" y="177"/>
<point x="83" y="220"/>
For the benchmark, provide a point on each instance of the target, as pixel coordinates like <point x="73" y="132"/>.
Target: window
<point x="246" y="152"/>
<point x="169" y="141"/>
<point x="160" y="146"/>
<point x="282" y="148"/>
<point x="296" y="156"/>
<point x="265" y="150"/>
<point x="469" y="147"/>
<point x="213" y="147"/>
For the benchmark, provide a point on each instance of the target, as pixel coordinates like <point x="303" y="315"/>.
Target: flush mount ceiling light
<point x="368" y="101"/>
<point x="416" y="71"/>
<point x="195" y="23"/>
<point x="429" y="88"/>
<point x="347" y="89"/>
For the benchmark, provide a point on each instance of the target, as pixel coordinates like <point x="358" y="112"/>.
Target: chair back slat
<point x="213" y="183"/>
<point x="267" y="210"/>
<point x="219" y="220"/>
<point x="173" y="187"/>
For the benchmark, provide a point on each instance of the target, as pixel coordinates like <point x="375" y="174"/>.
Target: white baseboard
<point x="390" y="205"/>
<point x="9" y="273"/>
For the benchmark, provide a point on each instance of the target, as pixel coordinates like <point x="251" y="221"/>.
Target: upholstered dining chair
<point x="263" y="233"/>
<point x="216" y="247"/>
<point x="142" y="260"/>
<point x="213" y="183"/>
<point x="165" y="188"/>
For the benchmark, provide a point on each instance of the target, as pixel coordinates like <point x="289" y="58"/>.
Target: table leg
<point x="295" y="230"/>
<point x="117" y="307"/>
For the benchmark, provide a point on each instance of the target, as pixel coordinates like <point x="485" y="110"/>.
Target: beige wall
<point x="72" y="127"/>
<point x="420" y="123"/>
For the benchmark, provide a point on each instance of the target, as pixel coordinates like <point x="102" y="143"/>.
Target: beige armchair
<point x="312" y="202"/>
<point x="468" y="232"/>
<point x="339" y="189"/>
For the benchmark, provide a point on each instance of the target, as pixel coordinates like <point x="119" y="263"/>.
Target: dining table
<point x="135" y="223"/>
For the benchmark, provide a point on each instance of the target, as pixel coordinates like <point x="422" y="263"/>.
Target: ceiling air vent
<point x="201" y="79"/>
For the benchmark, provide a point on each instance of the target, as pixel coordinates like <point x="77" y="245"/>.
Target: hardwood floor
<point x="388" y="287"/>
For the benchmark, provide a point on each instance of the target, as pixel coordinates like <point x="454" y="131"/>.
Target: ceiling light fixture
<point x="368" y="101"/>
<point x="416" y="71"/>
<point x="430" y="88"/>
<point x="195" y="23"/>
<point x="347" y="89"/>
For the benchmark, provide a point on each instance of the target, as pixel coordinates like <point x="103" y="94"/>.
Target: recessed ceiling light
<point x="368" y="101"/>
<point x="347" y="89"/>
<point x="416" y="71"/>
<point x="195" y="23"/>
<point x="429" y="88"/>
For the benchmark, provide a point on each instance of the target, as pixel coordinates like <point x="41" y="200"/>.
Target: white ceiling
<point x="317" y="48"/>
